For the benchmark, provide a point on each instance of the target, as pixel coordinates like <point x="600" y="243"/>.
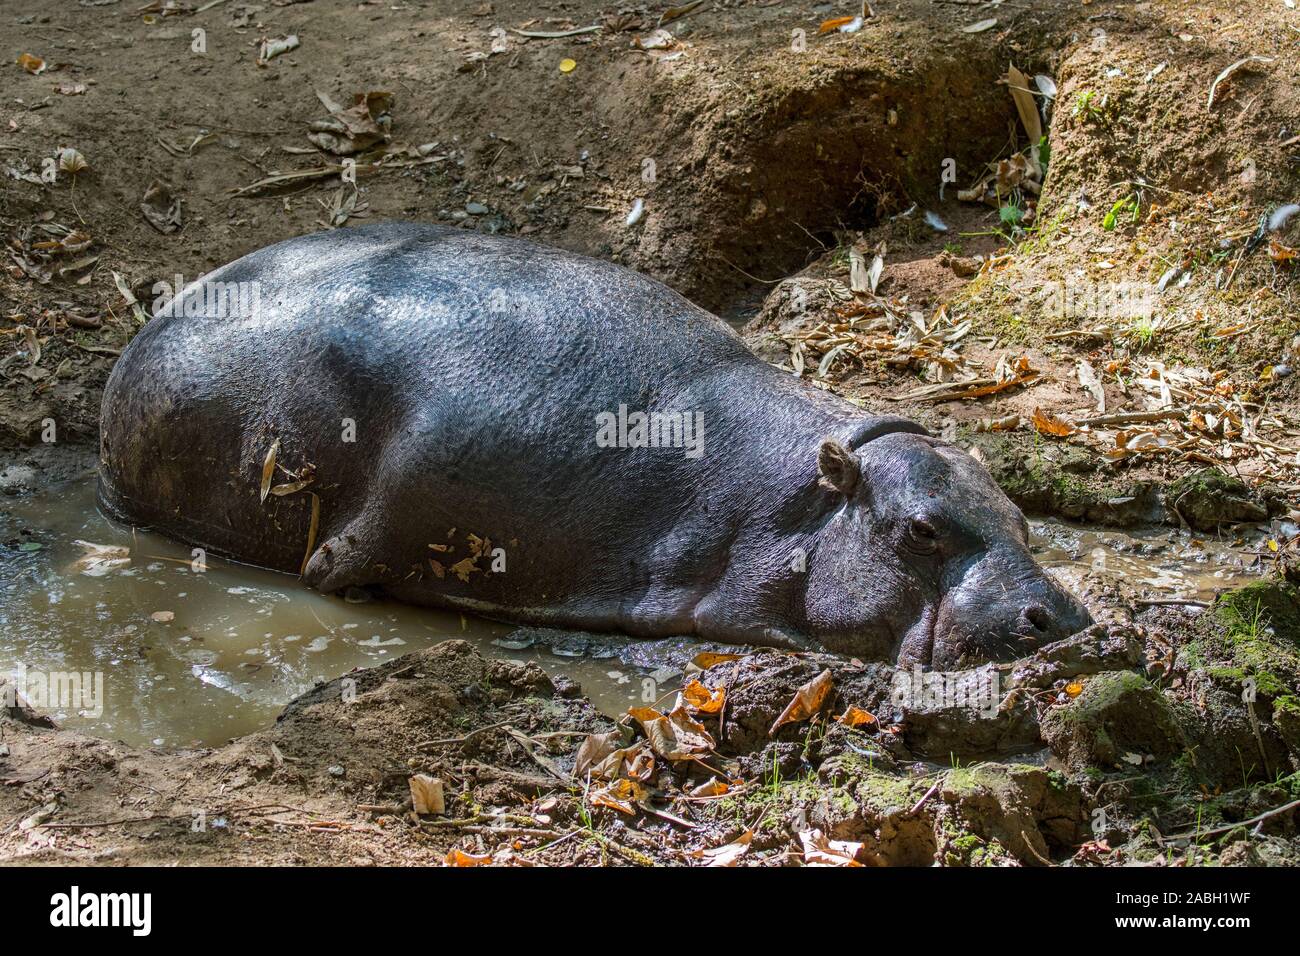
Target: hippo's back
<point x="376" y="329"/>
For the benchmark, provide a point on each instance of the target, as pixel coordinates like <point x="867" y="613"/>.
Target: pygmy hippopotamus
<point x="483" y="423"/>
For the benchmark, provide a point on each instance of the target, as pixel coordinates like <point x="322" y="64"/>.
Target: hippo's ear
<point x="838" y="467"/>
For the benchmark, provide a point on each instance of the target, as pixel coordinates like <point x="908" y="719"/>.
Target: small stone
<point x="476" y="209"/>
<point x="336" y="771"/>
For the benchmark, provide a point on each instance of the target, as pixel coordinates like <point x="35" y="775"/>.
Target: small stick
<point x="1258" y="818"/>
<point x="460" y="740"/>
<point x="928" y="794"/>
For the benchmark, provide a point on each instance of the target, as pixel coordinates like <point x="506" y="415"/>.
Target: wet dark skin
<point x="473" y="370"/>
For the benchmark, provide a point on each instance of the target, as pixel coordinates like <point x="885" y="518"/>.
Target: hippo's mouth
<point x="916" y="646"/>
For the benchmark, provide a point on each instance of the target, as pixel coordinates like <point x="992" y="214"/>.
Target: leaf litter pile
<point x="665" y="764"/>
<point x="865" y="326"/>
<point x="1175" y="414"/>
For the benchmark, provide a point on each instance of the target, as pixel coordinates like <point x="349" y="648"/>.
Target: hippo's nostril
<point x="1037" y="618"/>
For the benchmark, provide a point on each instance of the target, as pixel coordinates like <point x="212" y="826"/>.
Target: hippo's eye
<point x="924" y="535"/>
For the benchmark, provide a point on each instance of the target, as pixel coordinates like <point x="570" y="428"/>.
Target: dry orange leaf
<point x="461" y="858"/>
<point x="1279" y="252"/>
<point x="673" y="736"/>
<point x="1049" y="424"/>
<point x="713" y="787"/>
<point x="702" y="699"/>
<point x="268" y="468"/>
<point x="856" y="717"/>
<point x="633" y="763"/>
<point x="621" y="795"/>
<point x="706" y="659"/>
<point x="833" y="24"/>
<point x="808" y="700"/>
<point x="32" y="64"/>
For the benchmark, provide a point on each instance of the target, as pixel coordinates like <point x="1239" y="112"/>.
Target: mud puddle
<point x="169" y="656"/>
<point x="1156" y="564"/>
<point x="194" y="658"/>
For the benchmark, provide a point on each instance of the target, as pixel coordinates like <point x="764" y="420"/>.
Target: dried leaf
<point x="312" y="528"/>
<point x="291" y="487"/>
<point x="728" y="855"/>
<point x="1229" y="72"/>
<point x="160" y="209"/>
<point x="99" y="559"/>
<point x="1018" y="84"/>
<point x="700" y="698"/>
<point x="351" y="129"/>
<point x="856" y="717"/>
<point x="706" y="659"/>
<point x="636" y="762"/>
<point x="426" y="794"/>
<point x="622" y="795"/>
<point x="833" y="24"/>
<point x="464" y="568"/>
<point x="594" y="749"/>
<point x="456" y="857"/>
<point x="819" y="850"/>
<point x="808" y="700"/>
<point x="1050" y="425"/>
<point x="672" y="13"/>
<point x="1007" y="423"/>
<point x="272" y="47"/>
<point x="71" y="161"/>
<point x="32" y="64"/>
<point x="713" y="787"/>
<point x="1279" y="252"/>
<point x="673" y="736"/>
<point x="268" y="468"/>
<point x="1092" y="383"/>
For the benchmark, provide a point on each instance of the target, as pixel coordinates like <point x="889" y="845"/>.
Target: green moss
<point x="1117" y="713"/>
<point x="1249" y="611"/>
<point x="1254" y="633"/>
<point x="1100" y="694"/>
<point x="967" y="849"/>
<point x="883" y="793"/>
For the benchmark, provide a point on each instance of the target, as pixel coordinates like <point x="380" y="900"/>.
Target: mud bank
<point x="1124" y="744"/>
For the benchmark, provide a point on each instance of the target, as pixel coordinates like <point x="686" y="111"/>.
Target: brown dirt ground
<point x="769" y="163"/>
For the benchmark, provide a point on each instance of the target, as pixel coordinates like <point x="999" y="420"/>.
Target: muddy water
<point x="196" y="658"/>
<point x="192" y="657"/>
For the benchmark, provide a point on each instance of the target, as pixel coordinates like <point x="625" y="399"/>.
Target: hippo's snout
<point x="1000" y="612"/>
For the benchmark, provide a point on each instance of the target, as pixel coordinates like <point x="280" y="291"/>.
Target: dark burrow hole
<point x="843" y="160"/>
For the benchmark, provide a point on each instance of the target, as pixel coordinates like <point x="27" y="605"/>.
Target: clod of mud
<point x="14" y="706"/>
<point x="1064" y="484"/>
<point x="1241" y="668"/>
<point x="919" y="713"/>
<point x="1069" y="483"/>
<point x="1209" y="498"/>
<point x="1025" y="812"/>
<point x="1118" y="718"/>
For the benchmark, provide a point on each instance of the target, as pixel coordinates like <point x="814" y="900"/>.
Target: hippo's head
<point x="924" y="557"/>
